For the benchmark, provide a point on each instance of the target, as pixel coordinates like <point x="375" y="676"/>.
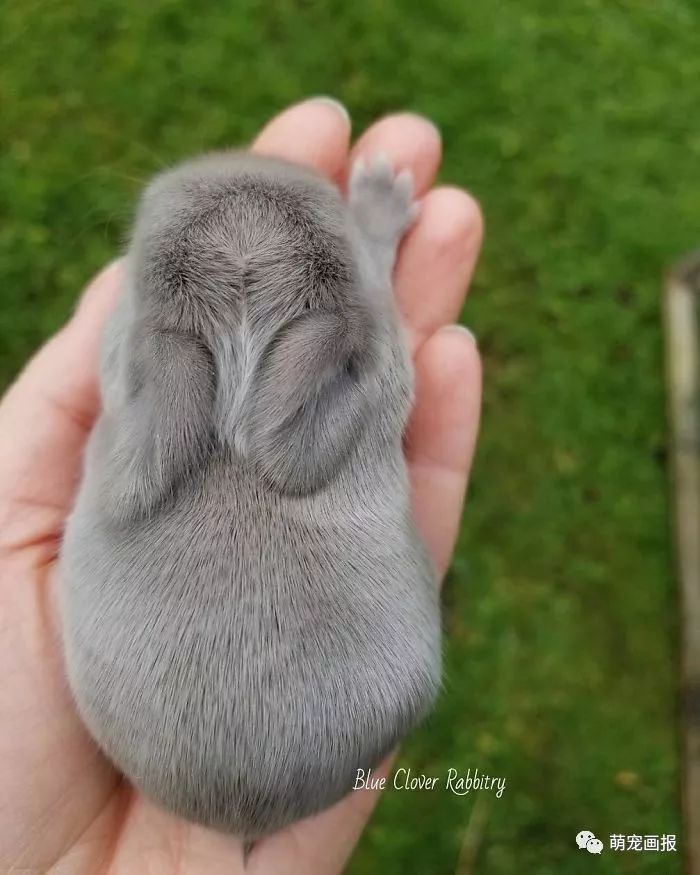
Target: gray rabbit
<point x="249" y="614"/>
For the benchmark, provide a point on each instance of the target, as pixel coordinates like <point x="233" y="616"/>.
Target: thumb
<point x="45" y="418"/>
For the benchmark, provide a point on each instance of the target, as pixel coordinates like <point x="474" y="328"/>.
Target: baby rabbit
<point x="249" y="614"/>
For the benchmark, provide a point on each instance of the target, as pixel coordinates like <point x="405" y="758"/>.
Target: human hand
<point x="64" y="808"/>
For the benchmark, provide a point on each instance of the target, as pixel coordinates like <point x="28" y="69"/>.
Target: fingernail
<point x="462" y="329"/>
<point x="434" y="126"/>
<point x="424" y="120"/>
<point x="98" y="282"/>
<point x="336" y="104"/>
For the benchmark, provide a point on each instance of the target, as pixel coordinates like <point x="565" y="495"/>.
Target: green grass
<point x="576" y="126"/>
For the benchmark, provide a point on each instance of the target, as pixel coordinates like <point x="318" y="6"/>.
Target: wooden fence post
<point x="682" y="306"/>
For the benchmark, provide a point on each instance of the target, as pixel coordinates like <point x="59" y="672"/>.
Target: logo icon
<point x="587" y="840"/>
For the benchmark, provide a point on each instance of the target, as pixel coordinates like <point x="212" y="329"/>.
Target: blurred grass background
<point x="576" y="125"/>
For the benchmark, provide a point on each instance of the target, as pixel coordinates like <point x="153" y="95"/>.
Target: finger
<point x="442" y="435"/>
<point x="45" y="418"/>
<point x="315" y="133"/>
<point x="409" y="141"/>
<point x="172" y="845"/>
<point x="322" y="844"/>
<point x="437" y="260"/>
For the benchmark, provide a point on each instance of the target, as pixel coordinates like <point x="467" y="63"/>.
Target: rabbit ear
<point x="311" y="399"/>
<point x="156" y="429"/>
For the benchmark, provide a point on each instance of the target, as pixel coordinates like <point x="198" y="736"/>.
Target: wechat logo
<point x="587" y="841"/>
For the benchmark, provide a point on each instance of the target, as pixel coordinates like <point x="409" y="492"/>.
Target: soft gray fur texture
<point x="249" y="614"/>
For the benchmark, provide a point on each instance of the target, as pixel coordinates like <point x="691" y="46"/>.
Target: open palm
<point x="63" y="806"/>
